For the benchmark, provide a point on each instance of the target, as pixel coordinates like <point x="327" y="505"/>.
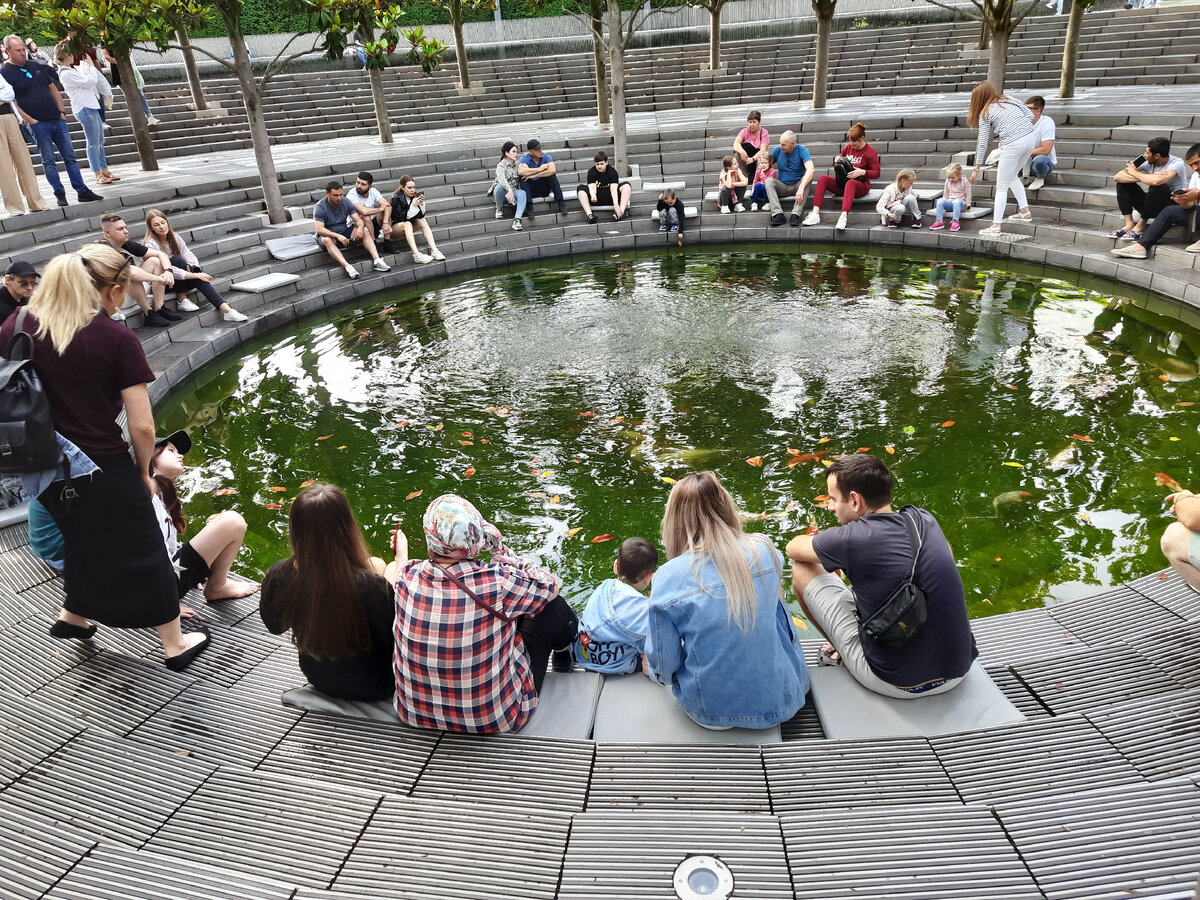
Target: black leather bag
<point x="841" y="171"/>
<point x="903" y="613"/>
<point x="27" y="439"/>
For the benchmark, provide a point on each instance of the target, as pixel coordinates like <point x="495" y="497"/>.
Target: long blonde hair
<point x="702" y="519"/>
<point x="983" y="95"/>
<point x="67" y="297"/>
<point x="170" y="243"/>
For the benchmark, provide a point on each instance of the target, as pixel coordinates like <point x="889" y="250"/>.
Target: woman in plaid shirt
<point x="473" y="638"/>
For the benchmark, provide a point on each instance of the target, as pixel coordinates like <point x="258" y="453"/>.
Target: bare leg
<point x="333" y="249"/>
<point x="623" y="198"/>
<point x="137" y="291"/>
<point x="174" y="641"/>
<point x="71" y="619"/>
<point x="802" y="574"/>
<point x="428" y="232"/>
<point x="584" y="202"/>
<point x="368" y="241"/>
<point x="154" y="267"/>
<point x="1175" y="542"/>
<point x="218" y="543"/>
<point x="407" y="228"/>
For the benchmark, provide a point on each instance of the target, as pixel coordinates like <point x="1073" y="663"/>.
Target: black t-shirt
<point x="361" y="676"/>
<point x="876" y="553"/>
<point x="134" y="251"/>
<point x="602" y="179"/>
<point x="31" y="83"/>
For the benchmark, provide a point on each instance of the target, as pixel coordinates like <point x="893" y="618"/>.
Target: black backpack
<point x="27" y="440"/>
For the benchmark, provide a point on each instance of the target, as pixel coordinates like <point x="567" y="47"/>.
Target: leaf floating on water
<point x="307" y="483"/>
<point x="343" y="446"/>
<point x="890" y="449"/>
<point x="400" y="423"/>
<point x="1173" y="438"/>
<point x="1165" y="377"/>
<point x="571" y="532"/>
<point x="272" y="506"/>
<point x="225" y="492"/>
<point x="820" y="498"/>
<point x="1167" y="481"/>
<point x="483" y="440"/>
<point x="793" y="452"/>
<point x="1185" y="403"/>
<point x="791" y="504"/>
<point x="668" y="479"/>
<point x="277" y="490"/>
<point x="438" y="427"/>
<point x="540" y="494"/>
<point x="414" y="495"/>
<point x="862" y="449"/>
<point x="910" y="429"/>
<point x="824" y="440"/>
<point x="469" y="472"/>
<point x="1076" y="381"/>
<point x="1011" y="387"/>
<point x="466" y="443"/>
<point x="467" y="434"/>
<point x="1083" y="437"/>
<point x="800" y="623"/>
<point x="948" y="424"/>
<point x="1062" y="458"/>
<point x="586" y="414"/>
<point x="324" y="437"/>
<point x="1015" y="465"/>
<point x="601" y="538"/>
<point x="555" y="499"/>
<point x="546" y="473"/>
<point x="754" y="460"/>
<point x="1084" y="516"/>
<point x="827" y="462"/>
<point x="811" y="530"/>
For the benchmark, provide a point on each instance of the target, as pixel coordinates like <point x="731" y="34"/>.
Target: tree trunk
<point x="378" y="97"/>
<point x="602" y="110"/>
<point x="998" y="58"/>
<point x="714" y="35"/>
<point x="460" y="45"/>
<point x="1066" y="87"/>
<point x="137" y="112"/>
<point x="189" y="66"/>
<point x="259" y="136"/>
<point x="616" y="87"/>
<point x="821" y="74"/>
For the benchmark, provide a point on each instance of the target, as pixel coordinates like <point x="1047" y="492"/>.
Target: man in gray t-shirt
<point x="875" y="547"/>
<point x="339" y="224"/>
<point x="1147" y="185"/>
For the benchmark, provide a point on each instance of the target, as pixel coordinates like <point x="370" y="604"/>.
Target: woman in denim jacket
<point x="720" y="634"/>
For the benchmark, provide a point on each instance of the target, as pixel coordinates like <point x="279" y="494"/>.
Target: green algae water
<point x="1040" y="420"/>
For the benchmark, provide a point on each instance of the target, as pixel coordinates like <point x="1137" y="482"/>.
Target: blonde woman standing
<point x="1012" y="125"/>
<point x="116" y="566"/>
<point x="720" y="635"/>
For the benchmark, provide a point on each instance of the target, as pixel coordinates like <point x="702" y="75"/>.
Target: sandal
<point x="991" y="231"/>
<point x="1117" y="233"/>
<point x="829" y="656"/>
<point x="1021" y="217"/>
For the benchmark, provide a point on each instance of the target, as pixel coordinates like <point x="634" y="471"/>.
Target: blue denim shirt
<point x="719" y="674"/>
<point x="612" y="629"/>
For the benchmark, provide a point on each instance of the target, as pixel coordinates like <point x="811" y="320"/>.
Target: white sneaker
<point x="352" y="272"/>
<point x="380" y="266"/>
<point x="814" y="217"/>
<point x="186" y="305"/>
<point x="517" y="226"/>
<point x="118" y="316"/>
<point x="234" y="316"/>
<point x="739" y="208"/>
<point x="724" y="210"/>
<point x="499" y="214"/>
<point x="107" y="127"/>
<point x="1037" y="184"/>
<point x="1191" y="248"/>
<point x="152" y="120"/>
<point x="438" y="255"/>
<point x="422" y="258"/>
<point x="841" y="222"/>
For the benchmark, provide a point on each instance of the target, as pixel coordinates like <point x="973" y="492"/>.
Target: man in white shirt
<point x="1182" y="211"/>
<point x="1146" y="185"/>
<point x="1044" y="159"/>
<point x="369" y="204"/>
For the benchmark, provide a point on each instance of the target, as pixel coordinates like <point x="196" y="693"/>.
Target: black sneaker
<point x="592" y="219"/>
<point x="61" y="197"/>
<point x="154" y="320"/>
<point x="777" y="220"/>
<point x="561" y="661"/>
<point x="87" y="196"/>
<point x="170" y="316"/>
<point x="562" y="207"/>
<point x="794" y="220"/>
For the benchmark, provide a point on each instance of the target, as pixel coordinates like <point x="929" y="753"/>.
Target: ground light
<point x="703" y="877"/>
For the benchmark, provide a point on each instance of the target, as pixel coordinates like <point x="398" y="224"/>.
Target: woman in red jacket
<point x="857" y="164"/>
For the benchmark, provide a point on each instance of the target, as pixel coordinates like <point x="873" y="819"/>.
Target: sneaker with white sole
<point x="352" y="272"/>
<point x="153" y="120"/>
<point x="186" y="305"/>
<point x="499" y="214"/>
<point x="380" y="266"/>
<point x="517" y="226"/>
<point x="841" y="222"/>
<point x="814" y="217"/>
<point x="1193" y="248"/>
<point x="739" y="208"/>
<point x="118" y="316"/>
<point x="422" y="258"/>
<point x="234" y="316"/>
<point x="724" y="210"/>
<point x="1133" y="251"/>
<point x="438" y="255"/>
<point x="1036" y="185"/>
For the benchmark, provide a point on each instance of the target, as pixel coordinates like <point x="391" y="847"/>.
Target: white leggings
<point x="1014" y="157"/>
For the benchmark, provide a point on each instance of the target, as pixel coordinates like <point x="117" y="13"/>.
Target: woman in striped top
<point x="1012" y="124"/>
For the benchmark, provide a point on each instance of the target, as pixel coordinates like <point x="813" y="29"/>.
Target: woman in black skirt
<point x="117" y="570"/>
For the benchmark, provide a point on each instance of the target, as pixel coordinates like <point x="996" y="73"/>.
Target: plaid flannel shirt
<point x="458" y="667"/>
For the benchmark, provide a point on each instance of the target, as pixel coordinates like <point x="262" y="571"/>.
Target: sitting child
<point x="612" y="629"/>
<point x="207" y="557"/>
<point x="899" y="198"/>
<point x="730" y="185"/>
<point x="956" y="197"/>
<point x="758" y="199"/>
<point x="671" y="213"/>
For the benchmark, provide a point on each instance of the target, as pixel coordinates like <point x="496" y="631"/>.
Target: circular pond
<point x="1039" y="419"/>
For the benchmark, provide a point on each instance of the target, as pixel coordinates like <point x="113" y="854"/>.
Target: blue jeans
<point x="500" y="194"/>
<point x="950" y="206"/>
<point x="1171" y="215"/>
<point x="52" y="135"/>
<point x="1040" y="166"/>
<point x="93" y="130"/>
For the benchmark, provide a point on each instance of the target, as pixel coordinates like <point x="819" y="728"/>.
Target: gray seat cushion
<point x="264" y="283"/>
<point x="294" y="246"/>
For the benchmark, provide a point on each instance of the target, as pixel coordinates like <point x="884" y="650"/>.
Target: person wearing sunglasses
<point x="19" y="281"/>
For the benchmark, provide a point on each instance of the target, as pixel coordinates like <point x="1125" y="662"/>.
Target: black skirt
<point x="117" y="570"/>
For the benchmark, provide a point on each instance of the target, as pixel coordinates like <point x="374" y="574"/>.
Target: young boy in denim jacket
<point x="613" y="626"/>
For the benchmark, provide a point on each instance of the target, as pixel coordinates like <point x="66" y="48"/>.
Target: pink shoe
<point x="936" y="225"/>
<point x="954" y="225"/>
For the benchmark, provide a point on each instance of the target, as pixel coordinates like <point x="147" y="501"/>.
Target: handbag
<point x="474" y="596"/>
<point x="841" y="171"/>
<point x="903" y="614"/>
<point x="27" y="439"/>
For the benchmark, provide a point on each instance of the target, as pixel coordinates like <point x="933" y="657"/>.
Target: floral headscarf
<point x="455" y="529"/>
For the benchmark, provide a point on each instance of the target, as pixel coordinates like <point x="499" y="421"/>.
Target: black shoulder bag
<point x="27" y="440"/>
<point x="903" y="613"/>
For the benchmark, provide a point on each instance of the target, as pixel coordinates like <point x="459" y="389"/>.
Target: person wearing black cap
<point x="207" y="556"/>
<point x="539" y="175"/>
<point x="19" y="281"/>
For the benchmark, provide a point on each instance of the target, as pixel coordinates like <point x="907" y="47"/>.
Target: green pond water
<point x="562" y="398"/>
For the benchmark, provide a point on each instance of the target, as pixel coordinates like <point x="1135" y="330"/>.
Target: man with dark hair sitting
<point x="1147" y="186"/>
<point x="339" y="224"/>
<point x="1180" y="211"/>
<point x="539" y="176"/>
<point x="603" y="188"/>
<point x="880" y="550"/>
<point x="371" y="205"/>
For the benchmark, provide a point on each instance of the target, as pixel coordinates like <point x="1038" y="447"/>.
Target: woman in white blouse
<point x="85" y="85"/>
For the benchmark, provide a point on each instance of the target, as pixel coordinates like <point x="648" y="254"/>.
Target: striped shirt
<point x="1008" y="120"/>
<point x="458" y="667"/>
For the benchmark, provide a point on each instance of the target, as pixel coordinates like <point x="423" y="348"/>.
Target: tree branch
<point x="276" y="65"/>
<point x="961" y="11"/>
<point x="226" y="63"/>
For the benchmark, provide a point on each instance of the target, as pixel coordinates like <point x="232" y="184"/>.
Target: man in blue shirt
<point x="795" y="172"/>
<point x="538" y="176"/>
<point x="41" y="105"/>
<point x="339" y="224"/>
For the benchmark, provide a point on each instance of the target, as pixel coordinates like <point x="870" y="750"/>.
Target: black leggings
<point x="554" y="628"/>
<point x="730" y="197"/>
<point x="1149" y="203"/>
<point x="204" y="287"/>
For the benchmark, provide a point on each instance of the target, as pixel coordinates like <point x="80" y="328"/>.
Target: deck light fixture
<point x="703" y="878"/>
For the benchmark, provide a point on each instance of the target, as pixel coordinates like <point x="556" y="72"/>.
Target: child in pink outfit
<point x="758" y="197"/>
<point x="956" y="197"/>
